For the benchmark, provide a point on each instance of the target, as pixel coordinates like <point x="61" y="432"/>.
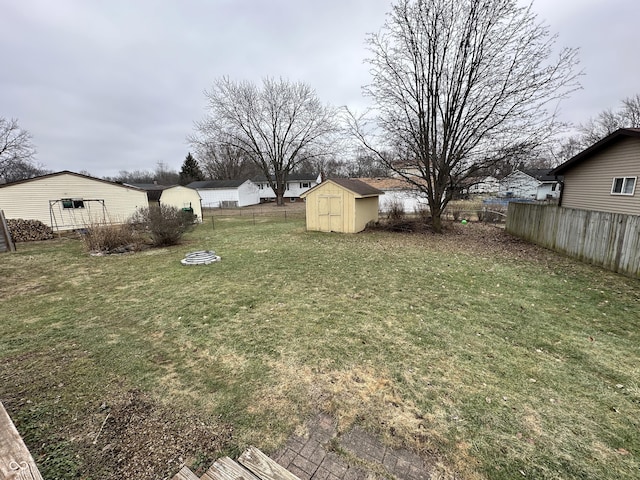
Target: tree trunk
<point x="436" y="222"/>
<point x="280" y="199"/>
<point x="436" y="216"/>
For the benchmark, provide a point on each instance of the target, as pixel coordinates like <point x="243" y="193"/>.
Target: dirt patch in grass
<point x="117" y="433"/>
<point x="140" y="438"/>
<point x="477" y="237"/>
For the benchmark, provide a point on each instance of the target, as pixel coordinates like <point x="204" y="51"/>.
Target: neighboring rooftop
<point x="388" y="183"/>
<point x="541" y="174"/>
<point x="296" y="177"/>
<point x="65" y="172"/>
<point x="214" y="184"/>
<point x="149" y="186"/>
<point x="606" y="142"/>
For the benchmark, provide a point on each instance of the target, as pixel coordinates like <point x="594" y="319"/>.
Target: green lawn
<point x="498" y="359"/>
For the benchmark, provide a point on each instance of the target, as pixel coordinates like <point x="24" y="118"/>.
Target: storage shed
<point x="341" y="205"/>
<point x="67" y="200"/>
<point x="176" y="196"/>
<point x="184" y="198"/>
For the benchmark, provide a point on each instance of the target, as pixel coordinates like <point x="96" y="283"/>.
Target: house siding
<point x="589" y="185"/>
<point x="546" y="190"/>
<point x="243" y="195"/>
<point x="292" y="192"/>
<point x="411" y="200"/>
<point x="213" y="198"/>
<point x="248" y="194"/>
<point x="30" y="201"/>
<point x="518" y="185"/>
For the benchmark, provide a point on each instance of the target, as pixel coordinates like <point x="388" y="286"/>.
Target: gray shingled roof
<point x="540" y="174"/>
<point x="595" y="148"/>
<point x="357" y="186"/>
<point x="294" y="177"/>
<point x="216" y="184"/>
<point x="148" y="186"/>
<point x="66" y="172"/>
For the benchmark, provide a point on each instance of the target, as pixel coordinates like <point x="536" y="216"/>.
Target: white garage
<point x="227" y="193"/>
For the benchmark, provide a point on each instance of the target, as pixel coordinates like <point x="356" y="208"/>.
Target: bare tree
<point x="224" y="161"/>
<point x="277" y="125"/>
<point x="326" y="166"/>
<point x="16" y="152"/>
<point x="161" y="175"/>
<point x="607" y="122"/>
<point x="456" y="83"/>
<point x="365" y="164"/>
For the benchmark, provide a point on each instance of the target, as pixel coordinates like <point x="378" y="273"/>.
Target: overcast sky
<point x="111" y="85"/>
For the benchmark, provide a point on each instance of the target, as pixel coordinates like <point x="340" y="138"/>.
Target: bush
<point x="395" y="212"/>
<point x="492" y="214"/>
<point x="110" y="238"/>
<point x="165" y="224"/>
<point x="455" y="210"/>
<point x="423" y="213"/>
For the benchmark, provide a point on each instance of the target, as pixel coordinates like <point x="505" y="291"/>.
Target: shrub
<point x="165" y="224"/>
<point x="396" y="211"/>
<point x="423" y="213"/>
<point x="492" y="214"/>
<point x="455" y="210"/>
<point x="111" y="238"/>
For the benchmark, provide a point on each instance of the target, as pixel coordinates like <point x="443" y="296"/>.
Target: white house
<point x="397" y="191"/>
<point x="226" y="193"/>
<point x="297" y="184"/>
<point x="534" y="184"/>
<point x="67" y="200"/>
<point x="480" y="186"/>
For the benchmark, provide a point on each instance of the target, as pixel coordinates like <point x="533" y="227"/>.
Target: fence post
<point x="213" y="225"/>
<point x="285" y="215"/>
<point x="254" y="218"/>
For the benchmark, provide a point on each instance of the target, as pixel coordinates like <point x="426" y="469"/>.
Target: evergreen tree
<point x="190" y="171"/>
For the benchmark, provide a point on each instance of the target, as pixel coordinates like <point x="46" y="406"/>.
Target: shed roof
<point x="216" y="184"/>
<point x="67" y="172"/>
<point x="606" y="142"/>
<point x="361" y="189"/>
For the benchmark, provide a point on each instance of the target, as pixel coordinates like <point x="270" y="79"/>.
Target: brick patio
<point x="313" y="457"/>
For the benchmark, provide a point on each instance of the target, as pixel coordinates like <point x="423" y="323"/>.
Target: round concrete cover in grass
<point x="202" y="257"/>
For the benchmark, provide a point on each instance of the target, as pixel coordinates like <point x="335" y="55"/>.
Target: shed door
<point x="330" y="213"/>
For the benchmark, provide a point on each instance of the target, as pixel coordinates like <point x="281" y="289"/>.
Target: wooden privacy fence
<point x="611" y="240"/>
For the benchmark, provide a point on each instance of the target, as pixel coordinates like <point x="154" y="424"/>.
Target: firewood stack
<point x="28" y="230"/>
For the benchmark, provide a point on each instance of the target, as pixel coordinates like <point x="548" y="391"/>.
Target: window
<point x="623" y="186"/>
<point x="304" y="184"/>
<point x="72" y="203"/>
